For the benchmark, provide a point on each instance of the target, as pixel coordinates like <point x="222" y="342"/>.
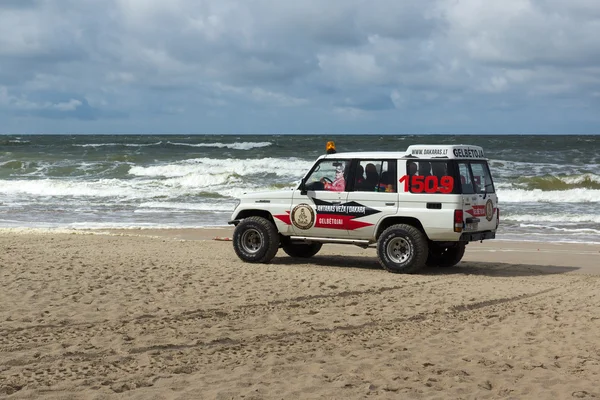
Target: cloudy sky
<point x="302" y="66"/>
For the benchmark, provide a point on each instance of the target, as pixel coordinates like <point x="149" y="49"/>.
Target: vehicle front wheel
<point x="302" y="250"/>
<point x="402" y="248"/>
<point x="256" y="240"/>
<point x="445" y="256"/>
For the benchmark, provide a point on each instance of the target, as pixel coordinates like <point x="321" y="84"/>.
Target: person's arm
<point x="338" y="185"/>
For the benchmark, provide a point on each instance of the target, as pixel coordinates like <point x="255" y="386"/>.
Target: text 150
<point x="428" y="184"/>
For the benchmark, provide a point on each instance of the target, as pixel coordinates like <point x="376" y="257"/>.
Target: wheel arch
<point x="256" y="213"/>
<point x="389" y="221"/>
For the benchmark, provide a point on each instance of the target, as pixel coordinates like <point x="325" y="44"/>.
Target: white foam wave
<point x="511" y="169"/>
<point x="293" y="167"/>
<point x="573" y="180"/>
<point x="158" y="206"/>
<point x="574" y="231"/>
<point x="561" y="218"/>
<point x="239" y="191"/>
<point x="578" y="195"/>
<point x="118" y="144"/>
<point x="55" y="187"/>
<point x="110" y="190"/>
<point x="234" y="146"/>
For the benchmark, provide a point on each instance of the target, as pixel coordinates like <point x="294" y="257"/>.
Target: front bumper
<point x="476" y="236"/>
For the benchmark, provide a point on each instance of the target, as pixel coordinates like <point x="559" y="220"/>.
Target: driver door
<point x="319" y="211"/>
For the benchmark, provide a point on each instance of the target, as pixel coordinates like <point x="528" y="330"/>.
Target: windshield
<point x="328" y="175"/>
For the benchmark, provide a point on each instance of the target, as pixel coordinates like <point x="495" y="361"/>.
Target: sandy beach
<point x="173" y="314"/>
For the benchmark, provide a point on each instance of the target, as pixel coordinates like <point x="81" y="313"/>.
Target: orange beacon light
<point x="330" y="147"/>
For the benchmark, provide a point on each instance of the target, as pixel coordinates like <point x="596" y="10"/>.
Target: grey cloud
<point x="7" y="4"/>
<point x="185" y="57"/>
<point x="371" y="103"/>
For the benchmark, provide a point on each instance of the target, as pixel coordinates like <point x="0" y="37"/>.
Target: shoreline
<point x="205" y="232"/>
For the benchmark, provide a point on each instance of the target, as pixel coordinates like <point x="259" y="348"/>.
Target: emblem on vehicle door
<point x="489" y="210"/>
<point x="303" y="216"/>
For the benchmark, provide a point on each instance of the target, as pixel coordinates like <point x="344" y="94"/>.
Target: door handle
<point x="336" y="202"/>
<point x="390" y="204"/>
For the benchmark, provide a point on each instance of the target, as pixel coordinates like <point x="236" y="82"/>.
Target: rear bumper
<point x="476" y="236"/>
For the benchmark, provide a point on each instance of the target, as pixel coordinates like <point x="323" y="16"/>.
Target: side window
<point x="329" y="175"/>
<point x="376" y="176"/>
<point x="466" y="182"/>
<point x="429" y="177"/>
<point x="389" y="177"/>
<point x="481" y="178"/>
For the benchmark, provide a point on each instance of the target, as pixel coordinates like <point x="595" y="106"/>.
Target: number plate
<point x="471" y="226"/>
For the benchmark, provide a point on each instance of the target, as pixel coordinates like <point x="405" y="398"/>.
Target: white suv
<point x="419" y="207"/>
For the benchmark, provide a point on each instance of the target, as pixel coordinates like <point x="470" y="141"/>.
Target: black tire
<point x="440" y="256"/>
<point x="302" y="250"/>
<point x="402" y="248"/>
<point x="256" y="240"/>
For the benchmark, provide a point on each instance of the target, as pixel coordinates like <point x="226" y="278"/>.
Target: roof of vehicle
<point x="427" y="151"/>
<point x="366" y="154"/>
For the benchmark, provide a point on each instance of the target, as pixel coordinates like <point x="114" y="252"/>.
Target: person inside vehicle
<point x="372" y="177"/>
<point x="359" y="183"/>
<point x="424" y="168"/>
<point x="438" y="169"/>
<point x="388" y="180"/>
<point x="339" y="183"/>
<point x="411" y="168"/>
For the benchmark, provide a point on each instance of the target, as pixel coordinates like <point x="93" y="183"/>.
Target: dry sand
<point x="168" y="315"/>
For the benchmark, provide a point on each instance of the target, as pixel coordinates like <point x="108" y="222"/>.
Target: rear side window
<point x="475" y="177"/>
<point x="466" y="182"/>
<point x="482" y="179"/>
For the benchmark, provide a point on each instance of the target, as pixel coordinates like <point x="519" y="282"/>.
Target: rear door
<point x="372" y="196"/>
<point x="480" y="201"/>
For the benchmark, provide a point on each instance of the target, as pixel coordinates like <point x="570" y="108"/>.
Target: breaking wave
<point x="579" y="195"/>
<point x="234" y="146"/>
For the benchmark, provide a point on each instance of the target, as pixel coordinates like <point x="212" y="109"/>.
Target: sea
<point x="548" y="186"/>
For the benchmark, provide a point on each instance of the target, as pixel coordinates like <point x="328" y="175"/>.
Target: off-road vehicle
<point x="418" y="207"/>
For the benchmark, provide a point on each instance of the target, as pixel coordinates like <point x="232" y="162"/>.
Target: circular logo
<point x="303" y="216"/>
<point x="489" y="210"/>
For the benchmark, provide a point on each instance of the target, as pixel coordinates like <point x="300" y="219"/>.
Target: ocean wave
<point x="17" y="165"/>
<point x="554" y="182"/>
<point x="233" y="146"/>
<point x="514" y="169"/>
<point x="283" y="167"/>
<point x="554" y="218"/>
<point x="158" y="206"/>
<point x="14" y="142"/>
<point x="578" y="195"/>
<point x="118" y="144"/>
<point x="573" y="231"/>
<point x="108" y="191"/>
<point x="115" y="188"/>
<point x="64" y="169"/>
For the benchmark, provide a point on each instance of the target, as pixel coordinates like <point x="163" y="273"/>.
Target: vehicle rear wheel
<point x="302" y="250"/>
<point x="402" y="248"/>
<point x="445" y="256"/>
<point x="256" y="240"/>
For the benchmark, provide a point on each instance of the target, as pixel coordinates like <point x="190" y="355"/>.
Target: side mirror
<point x="303" y="186"/>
